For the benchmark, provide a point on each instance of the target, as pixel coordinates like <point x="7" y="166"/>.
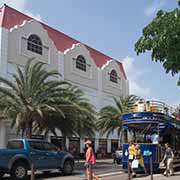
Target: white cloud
<point x="154" y="7"/>
<point x="134" y="75"/>
<point x="21" y="5"/>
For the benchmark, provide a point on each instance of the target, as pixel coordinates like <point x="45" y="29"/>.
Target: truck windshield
<point x="15" y="145"/>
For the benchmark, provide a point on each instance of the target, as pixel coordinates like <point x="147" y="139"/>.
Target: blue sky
<point x="113" y="27"/>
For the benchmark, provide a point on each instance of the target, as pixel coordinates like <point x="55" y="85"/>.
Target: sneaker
<point x="133" y="175"/>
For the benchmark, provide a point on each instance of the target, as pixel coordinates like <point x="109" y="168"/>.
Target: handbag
<point x="135" y="164"/>
<point x="86" y="165"/>
<point x="162" y="164"/>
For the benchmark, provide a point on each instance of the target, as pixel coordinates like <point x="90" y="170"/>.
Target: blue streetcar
<point x="152" y="117"/>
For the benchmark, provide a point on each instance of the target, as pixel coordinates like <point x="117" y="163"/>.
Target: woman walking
<point x="140" y="158"/>
<point x="168" y="156"/>
<point x="90" y="161"/>
<point x="131" y="157"/>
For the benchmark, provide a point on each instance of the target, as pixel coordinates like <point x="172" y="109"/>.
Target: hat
<point x="88" y="142"/>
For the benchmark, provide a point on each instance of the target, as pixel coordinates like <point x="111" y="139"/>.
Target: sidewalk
<point x="119" y="176"/>
<point x="160" y="177"/>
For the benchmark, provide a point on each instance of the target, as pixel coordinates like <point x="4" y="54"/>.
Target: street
<point x="105" y="169"/>
<point x="121" y="175"/>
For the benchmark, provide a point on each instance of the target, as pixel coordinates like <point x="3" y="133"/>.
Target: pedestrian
<point x="168" y="156"/>
<point x="90" y="161"/>
<point x="154" y="137"/>
<point x="139" y="157"/>
<point x="131" y="157"/>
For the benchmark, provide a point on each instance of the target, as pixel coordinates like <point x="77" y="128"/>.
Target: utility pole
<point x="151" y="167"/>
<point x="32" y="172"/>
<point x="129" y="173"/>
<point x="91" y="172"/>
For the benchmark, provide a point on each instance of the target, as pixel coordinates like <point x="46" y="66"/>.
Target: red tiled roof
<point x="10" y="17"/>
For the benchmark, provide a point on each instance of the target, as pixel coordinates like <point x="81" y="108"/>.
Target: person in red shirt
<point x="90" y="161"/>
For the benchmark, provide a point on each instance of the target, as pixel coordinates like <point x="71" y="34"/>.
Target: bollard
<point x="32" y="172"/>
<point x="91" y="172"/>
<point x="129" y="173"/>
<point x="151" y="167"/>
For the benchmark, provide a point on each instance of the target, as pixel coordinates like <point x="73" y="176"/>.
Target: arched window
<point x="34" y="44"/>
<point x="81" y="63"/>
<point x="113" y="76"/>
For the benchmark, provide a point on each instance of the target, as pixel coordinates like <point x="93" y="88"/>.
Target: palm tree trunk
<point x="121" y="133"/>
<point x="125" y="136"/>
<point x="28" y="130"/>
<point x="64" y="142"/>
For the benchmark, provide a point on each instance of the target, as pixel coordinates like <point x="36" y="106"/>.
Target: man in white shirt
<point x="155" y="138"/>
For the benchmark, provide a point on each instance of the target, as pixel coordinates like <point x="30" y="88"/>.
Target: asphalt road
<point x="122" y="176"/>
<point x="118" y="176"/>
<point x="102" y="168"/>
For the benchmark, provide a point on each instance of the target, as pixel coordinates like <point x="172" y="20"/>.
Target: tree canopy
<point x="110" y="117"/>
<point x="162" y="38"/>
<point x="35" y="100"/>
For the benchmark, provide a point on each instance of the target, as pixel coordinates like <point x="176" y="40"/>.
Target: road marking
<point x="104" y="175"/>
<point x="110" y="174"/>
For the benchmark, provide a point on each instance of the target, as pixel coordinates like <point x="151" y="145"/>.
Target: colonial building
<point x="98" y="75"/>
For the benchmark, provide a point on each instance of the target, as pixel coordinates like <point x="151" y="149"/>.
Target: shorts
<point x="88" y="166"/>
<point x="131" y="160"/>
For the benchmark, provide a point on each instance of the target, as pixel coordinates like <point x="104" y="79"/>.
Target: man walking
<point x="168" y="156"/>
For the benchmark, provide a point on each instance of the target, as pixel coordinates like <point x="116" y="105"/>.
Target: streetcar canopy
<point x="146" y="116"/>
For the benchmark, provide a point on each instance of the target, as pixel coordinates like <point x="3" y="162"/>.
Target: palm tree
<point x="79" y="120"/>
<point x="110" y="117"/>
<point x="86" y="113"/>
<point x="31" y="95"/>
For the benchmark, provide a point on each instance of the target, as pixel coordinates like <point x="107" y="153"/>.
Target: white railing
<point x="153" y="106"/>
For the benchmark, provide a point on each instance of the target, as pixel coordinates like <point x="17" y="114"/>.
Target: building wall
<point x="115" y="89"/>
<point x="3" y="73"/>
<point x="94" y="82"/>
<point x="71" y="73"/>
<point x="3" y="51"/>
<point x="17" y="45"/>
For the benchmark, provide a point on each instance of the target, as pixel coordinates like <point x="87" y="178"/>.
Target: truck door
<point x="37" y="154"/>
<point x="52" y="160"/>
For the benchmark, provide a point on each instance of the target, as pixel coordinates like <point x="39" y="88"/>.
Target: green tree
<point x="86" y="115"/>
<point x="110" y="117"/>
<point x="31" y="95"/>
<point x="79" y="117"/>
<point x="162" y="38"/>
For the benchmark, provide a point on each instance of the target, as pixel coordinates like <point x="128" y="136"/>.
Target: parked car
<point x="20" y="154"/>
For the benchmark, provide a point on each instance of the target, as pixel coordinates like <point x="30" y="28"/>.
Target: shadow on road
<point x="43" y="176"/>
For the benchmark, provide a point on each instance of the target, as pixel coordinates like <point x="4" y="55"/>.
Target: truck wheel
<point x="68" y="167"/>
<point x="19" y="171"/>
<point x="1" y="174"/>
